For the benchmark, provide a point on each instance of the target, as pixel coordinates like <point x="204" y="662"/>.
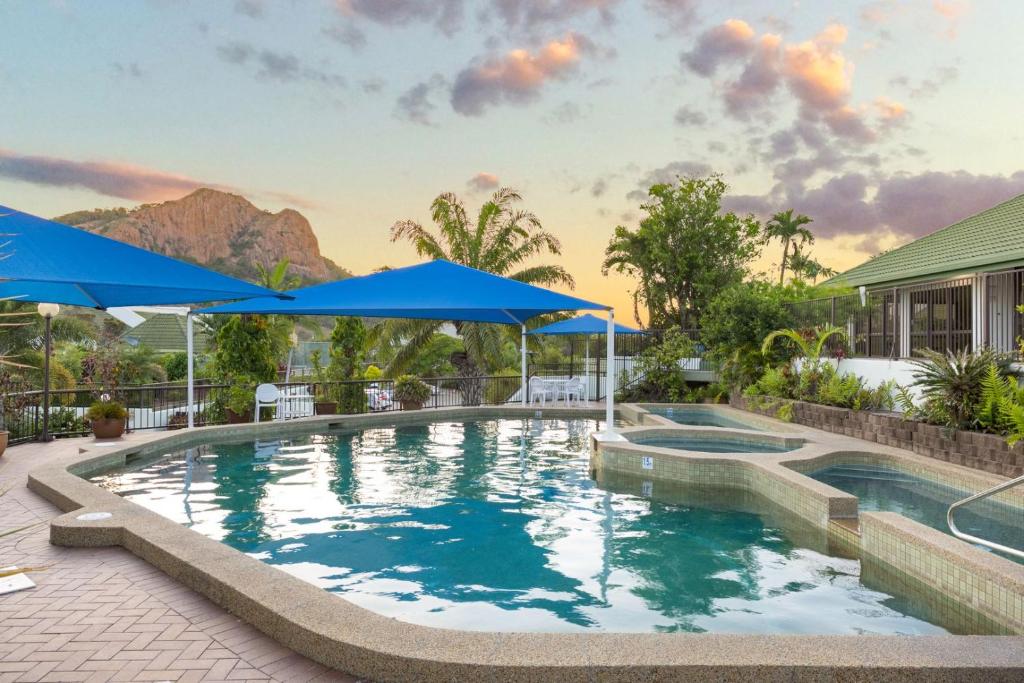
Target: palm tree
<point x="803" y="265"/>
<point x="501" y="241"/>
<point x="277" y="278"/>
<point x="811" y="344"/>
<point x="788" y="228"/>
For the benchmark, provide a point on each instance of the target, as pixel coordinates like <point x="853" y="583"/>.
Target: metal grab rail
<point x="978" y="496"/>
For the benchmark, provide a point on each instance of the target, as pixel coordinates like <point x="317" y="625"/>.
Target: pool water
<point x="698" y="418"/>
<point x="711" y="445"/>
<point x="496" y="525"/>
<point x="890" y="490"/>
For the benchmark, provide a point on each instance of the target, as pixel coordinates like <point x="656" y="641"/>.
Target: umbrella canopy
<point x="438" y="290"/>
<point x="583" y="325"/>
<point x="41" y="260"/>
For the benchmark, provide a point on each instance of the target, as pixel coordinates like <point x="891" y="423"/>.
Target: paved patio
<point x="104" y="615"/>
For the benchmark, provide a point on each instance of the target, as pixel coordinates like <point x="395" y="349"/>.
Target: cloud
<point x="927" y="87"/>
<point x="759" y="79"/>
<point x="416" y="104"/>
<point x="599" y="187"/>
<point x="482" y="182"/>
<point x="112" y="179"/>
<point x="254" y="9"/>
<point x="283" y="67"/>
<point x="534" y="14"/>
<point x="516" y="77"/>
<point x="668" y="174"/>
<point x="952" y="11"/>
<point x="730" y="41"/>
<point x="685" y="116"/>
<point x="817" y="73"/>
<point x="347" y="35"/>
<point x="128" y="69"/>
<point x="446" y="15"/>
<point x="372" y="85"/>
<point x="681" y="14"/>
<point x="567" y="112"/>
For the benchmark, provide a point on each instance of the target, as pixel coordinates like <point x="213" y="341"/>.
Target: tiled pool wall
<point x="963" y="583"/>
<point x="642" y="414"/>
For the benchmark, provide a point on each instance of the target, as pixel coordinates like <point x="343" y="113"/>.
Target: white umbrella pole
<point x="191" y="370"/>
<point x="609" y="411"/>
<point x="522" y="361"/>
<point x="586" y="364"/>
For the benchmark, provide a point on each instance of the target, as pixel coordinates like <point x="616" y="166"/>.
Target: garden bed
<point x="986" y="452"/>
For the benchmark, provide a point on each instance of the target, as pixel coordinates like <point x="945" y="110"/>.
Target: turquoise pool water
<point x="710" y="445"/>
<point x="698" y="418"/>
<point x="496" y="525"/>
<point x="889" y="490"/>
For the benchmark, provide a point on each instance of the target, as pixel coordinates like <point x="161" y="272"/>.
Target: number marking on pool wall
<point x="647" y="462"/>
<point x="647" y="489"/>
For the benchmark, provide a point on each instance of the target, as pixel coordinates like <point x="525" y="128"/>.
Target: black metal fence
<point x="165" y="406"/>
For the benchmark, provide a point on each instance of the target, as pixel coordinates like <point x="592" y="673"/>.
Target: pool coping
<point x="331" y="630"/>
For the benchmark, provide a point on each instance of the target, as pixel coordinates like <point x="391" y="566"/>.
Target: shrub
<point x="659" y="367"/>
<point x="775" y="382"/>
<point x="175" y="365"/>
<point x="373" y="373"/>
<point x="411" y="389"/>
<point x="950" y="385"/>
<point x="245" y="350"/>
<point x="106" y="410"/>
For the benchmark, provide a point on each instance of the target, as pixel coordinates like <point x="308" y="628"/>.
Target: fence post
<point x="832" y="315"/>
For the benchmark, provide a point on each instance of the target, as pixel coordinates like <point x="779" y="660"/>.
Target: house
<point x="165" y="333"/>
<point x="957" y="288"/>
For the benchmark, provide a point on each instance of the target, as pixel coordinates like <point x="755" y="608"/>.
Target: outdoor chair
<point x="541" y="390"/>
<point x="575" y="390"/>
<point x="267" y="395"/>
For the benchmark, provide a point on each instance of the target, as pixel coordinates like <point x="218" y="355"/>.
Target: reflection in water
<point x="496" y="525"/>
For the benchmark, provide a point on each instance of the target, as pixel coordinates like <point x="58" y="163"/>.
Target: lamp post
<point x="48" y="311"/>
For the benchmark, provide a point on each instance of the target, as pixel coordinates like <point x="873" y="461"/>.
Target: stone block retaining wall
<point x="986" y="452"/>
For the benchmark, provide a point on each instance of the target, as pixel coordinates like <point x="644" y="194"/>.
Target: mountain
<point x="219" y="230"/>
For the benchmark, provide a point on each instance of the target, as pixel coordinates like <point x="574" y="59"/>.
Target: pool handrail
<point x="978" y="496"/>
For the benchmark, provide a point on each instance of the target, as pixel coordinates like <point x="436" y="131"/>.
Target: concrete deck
<point x="103" y="614"/>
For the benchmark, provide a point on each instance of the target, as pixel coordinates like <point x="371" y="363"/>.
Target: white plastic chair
<point x="541" y="390"/>
<point x="575" y="390"/>
<point x="267" y="395"/>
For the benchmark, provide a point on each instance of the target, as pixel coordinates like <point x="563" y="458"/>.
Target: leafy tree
<point x="502" y="240"/>
<point x="22" y="330"/>
<point x="803" y="266"/>
<point x="685" y="250"/>
<point x="790" y="230"/>
<point x="348" y="347"/>
<point x="245" y="349"/>
<point x="176" y="365"/>
<point x="434" y="360"/>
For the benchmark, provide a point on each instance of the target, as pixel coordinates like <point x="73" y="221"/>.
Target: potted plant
<point x="325" y="402"/>
<point x="239" y="401"/>
<point x="411" y="392"/>
<point x="107" y="417"/>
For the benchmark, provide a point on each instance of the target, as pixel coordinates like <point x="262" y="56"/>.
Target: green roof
<point x="165" y="332"/>
<point x="991" y="239"/>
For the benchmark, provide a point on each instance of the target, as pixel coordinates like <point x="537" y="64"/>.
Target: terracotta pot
<point x="411" y="405"/>
<point x="108" y="428"/>
<point x="325" y="407"/>
<point x="235" y="418"/>
<point x="3" y="442"/>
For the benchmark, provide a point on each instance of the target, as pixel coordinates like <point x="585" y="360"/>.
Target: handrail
<point x="978" y="496"/>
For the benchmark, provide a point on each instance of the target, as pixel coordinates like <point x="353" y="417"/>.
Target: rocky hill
<point x="221" y="231"/>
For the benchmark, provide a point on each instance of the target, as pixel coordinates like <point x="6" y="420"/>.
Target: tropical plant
<point x="950" y="384"/>
<point x="245" y="349"/>
<point x="803" y="266"/>
<point x="239" y="398"/>
<point x="324" y="391"/>
<point x="790" y="230"/>
<point x="280" y="327"/>
<point x="411" y="391"/>
<point x="659" y="369"/>
<point x="502" y="240"/>
<point x="776" y="382"/>
<point x="685" y="250"/>
<point x="810" y="344"/>
<point x="175" y="365"/>
<point x="372" y="373"/>
<point x="23" y="331"/>
<point x="1000" y="406"/>
<point x="106" y="409"/>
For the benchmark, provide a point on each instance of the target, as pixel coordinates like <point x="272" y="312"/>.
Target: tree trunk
<point x="785" y="256"/>
<point x="470" y="385"/>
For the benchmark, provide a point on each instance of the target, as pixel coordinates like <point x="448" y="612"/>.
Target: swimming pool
<point x="698" y="417"/>
<point x="496" y="525"/>
<point x="705" y="444"/>
<point x="890" y="490"/>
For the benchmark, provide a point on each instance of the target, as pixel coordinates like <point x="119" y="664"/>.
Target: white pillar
<point x="522" y="361"/>
<point x="609" y="410"/>
<point x="191" y="371"/>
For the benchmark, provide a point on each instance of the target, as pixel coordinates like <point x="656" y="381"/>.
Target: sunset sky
<point x="882" y="120"/>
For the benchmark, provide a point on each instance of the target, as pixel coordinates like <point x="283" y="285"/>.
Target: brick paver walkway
<point x="105" y="615"/>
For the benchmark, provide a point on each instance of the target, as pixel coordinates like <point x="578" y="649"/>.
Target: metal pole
<point x="522" y="362"/>
<point x="45" y="436"/>
<point x="609" y="410"/>
<point x="191" y="370"/>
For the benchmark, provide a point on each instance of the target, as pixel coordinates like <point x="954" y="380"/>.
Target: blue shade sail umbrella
<point x="46" y="261"/>
<point x="436" y="290"/>
<point x="584" y="325"/>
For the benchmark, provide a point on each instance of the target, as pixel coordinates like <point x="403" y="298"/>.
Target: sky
<point x="881" y="120"/>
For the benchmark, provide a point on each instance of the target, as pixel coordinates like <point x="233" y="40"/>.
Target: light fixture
<point x="48" y="310"/>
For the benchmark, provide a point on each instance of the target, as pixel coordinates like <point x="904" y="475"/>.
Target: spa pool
<point x="698" y="417"/>
<point x="709" y="444"/>
<point x="496" y="525"/>
<point x="890" y="490"/>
